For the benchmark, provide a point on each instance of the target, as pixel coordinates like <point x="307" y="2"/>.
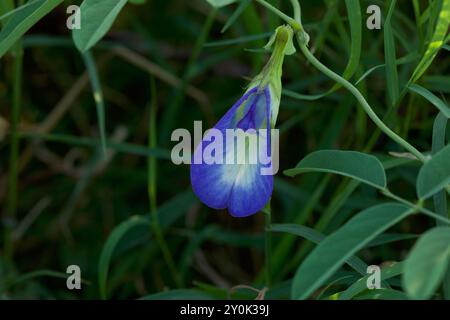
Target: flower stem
<point x="268" y="244"/>
<point x="302" y="39"/>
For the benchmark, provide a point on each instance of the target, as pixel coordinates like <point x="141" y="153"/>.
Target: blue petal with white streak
<point x="240" y="187"/>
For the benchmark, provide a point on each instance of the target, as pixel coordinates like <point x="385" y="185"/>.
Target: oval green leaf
<point x="427" y="262"/>
<point x="356" y="165"/>
<point x="333" y="251"/>
<point x="97" y="17"/>
<point x="434" y="174"/>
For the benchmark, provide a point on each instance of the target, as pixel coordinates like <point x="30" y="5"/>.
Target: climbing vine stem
<point x="302" y="39"/>
<point x="362" y="101"/>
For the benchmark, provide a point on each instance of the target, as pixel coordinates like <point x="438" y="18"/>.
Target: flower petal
<point x="239" y="187"/>
<point x="251" y="191"/>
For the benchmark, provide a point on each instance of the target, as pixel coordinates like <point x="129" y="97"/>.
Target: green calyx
<point x="282" y="40"/>
<point x="281" y="44"/>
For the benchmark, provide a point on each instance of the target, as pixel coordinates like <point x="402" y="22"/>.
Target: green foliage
<point x="361" y="285"/>
<point x="220" y="3"/>
<point x="435" y="174"/>
<point x="437" y="39"/>
<point x="316" y="237"/>
<point x="356" y="165"/>
<point x="438" y="103"/>
<point x="86" y="178"/>
<point x="427" y="263"/>
<point x="22" y="20"/>
<point x="331" y="253"/>
<point x="97" y="17"/>
<point x="392" y="84"/>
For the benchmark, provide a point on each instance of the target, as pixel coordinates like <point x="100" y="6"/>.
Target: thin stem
<point x="273" y="20"/>
<point x="294" y="24"/>
<point x="302" y="39"/>
<point x="353" y="90"/>
<point x="268" y="245"/>
<point x="98" y="96"/>
<point x="152" y="191"/>
<point x="417" y="207"/>
<point x="297" y="11"/>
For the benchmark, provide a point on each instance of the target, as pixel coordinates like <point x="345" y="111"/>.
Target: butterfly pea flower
<point x="226" y="177"/>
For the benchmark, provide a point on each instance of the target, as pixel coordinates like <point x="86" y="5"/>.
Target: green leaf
<point x="356" y="165"/>
<point x="427" y="262"/>
<point x="391" y="237"/>
<point x="355" y="21"/>
<point x="108" y="249"/>
<point x="22" y="20"/>
<point x="220" y="3"/>
<point x="137" y="1"/>
<point x="435" y="43"/>
<point x="390" y="56"/>
<point x="439" y="131"/>
<point x="383" y="294"/>
<point x="438" y="103"/>
<point x="333" y="251"/>
<point x="361" y="285"/>
<point x="179" y="294"/>
<point x="440" y="198"/>
<point x="6" y="7"/>
<point x="434" y="174"/>
<point x="312" y="235"/>
<point x="97" y="17"/>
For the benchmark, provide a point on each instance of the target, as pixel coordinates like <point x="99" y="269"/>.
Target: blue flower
<point x="239" y="186"/>
<point x="242" y="185"/>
